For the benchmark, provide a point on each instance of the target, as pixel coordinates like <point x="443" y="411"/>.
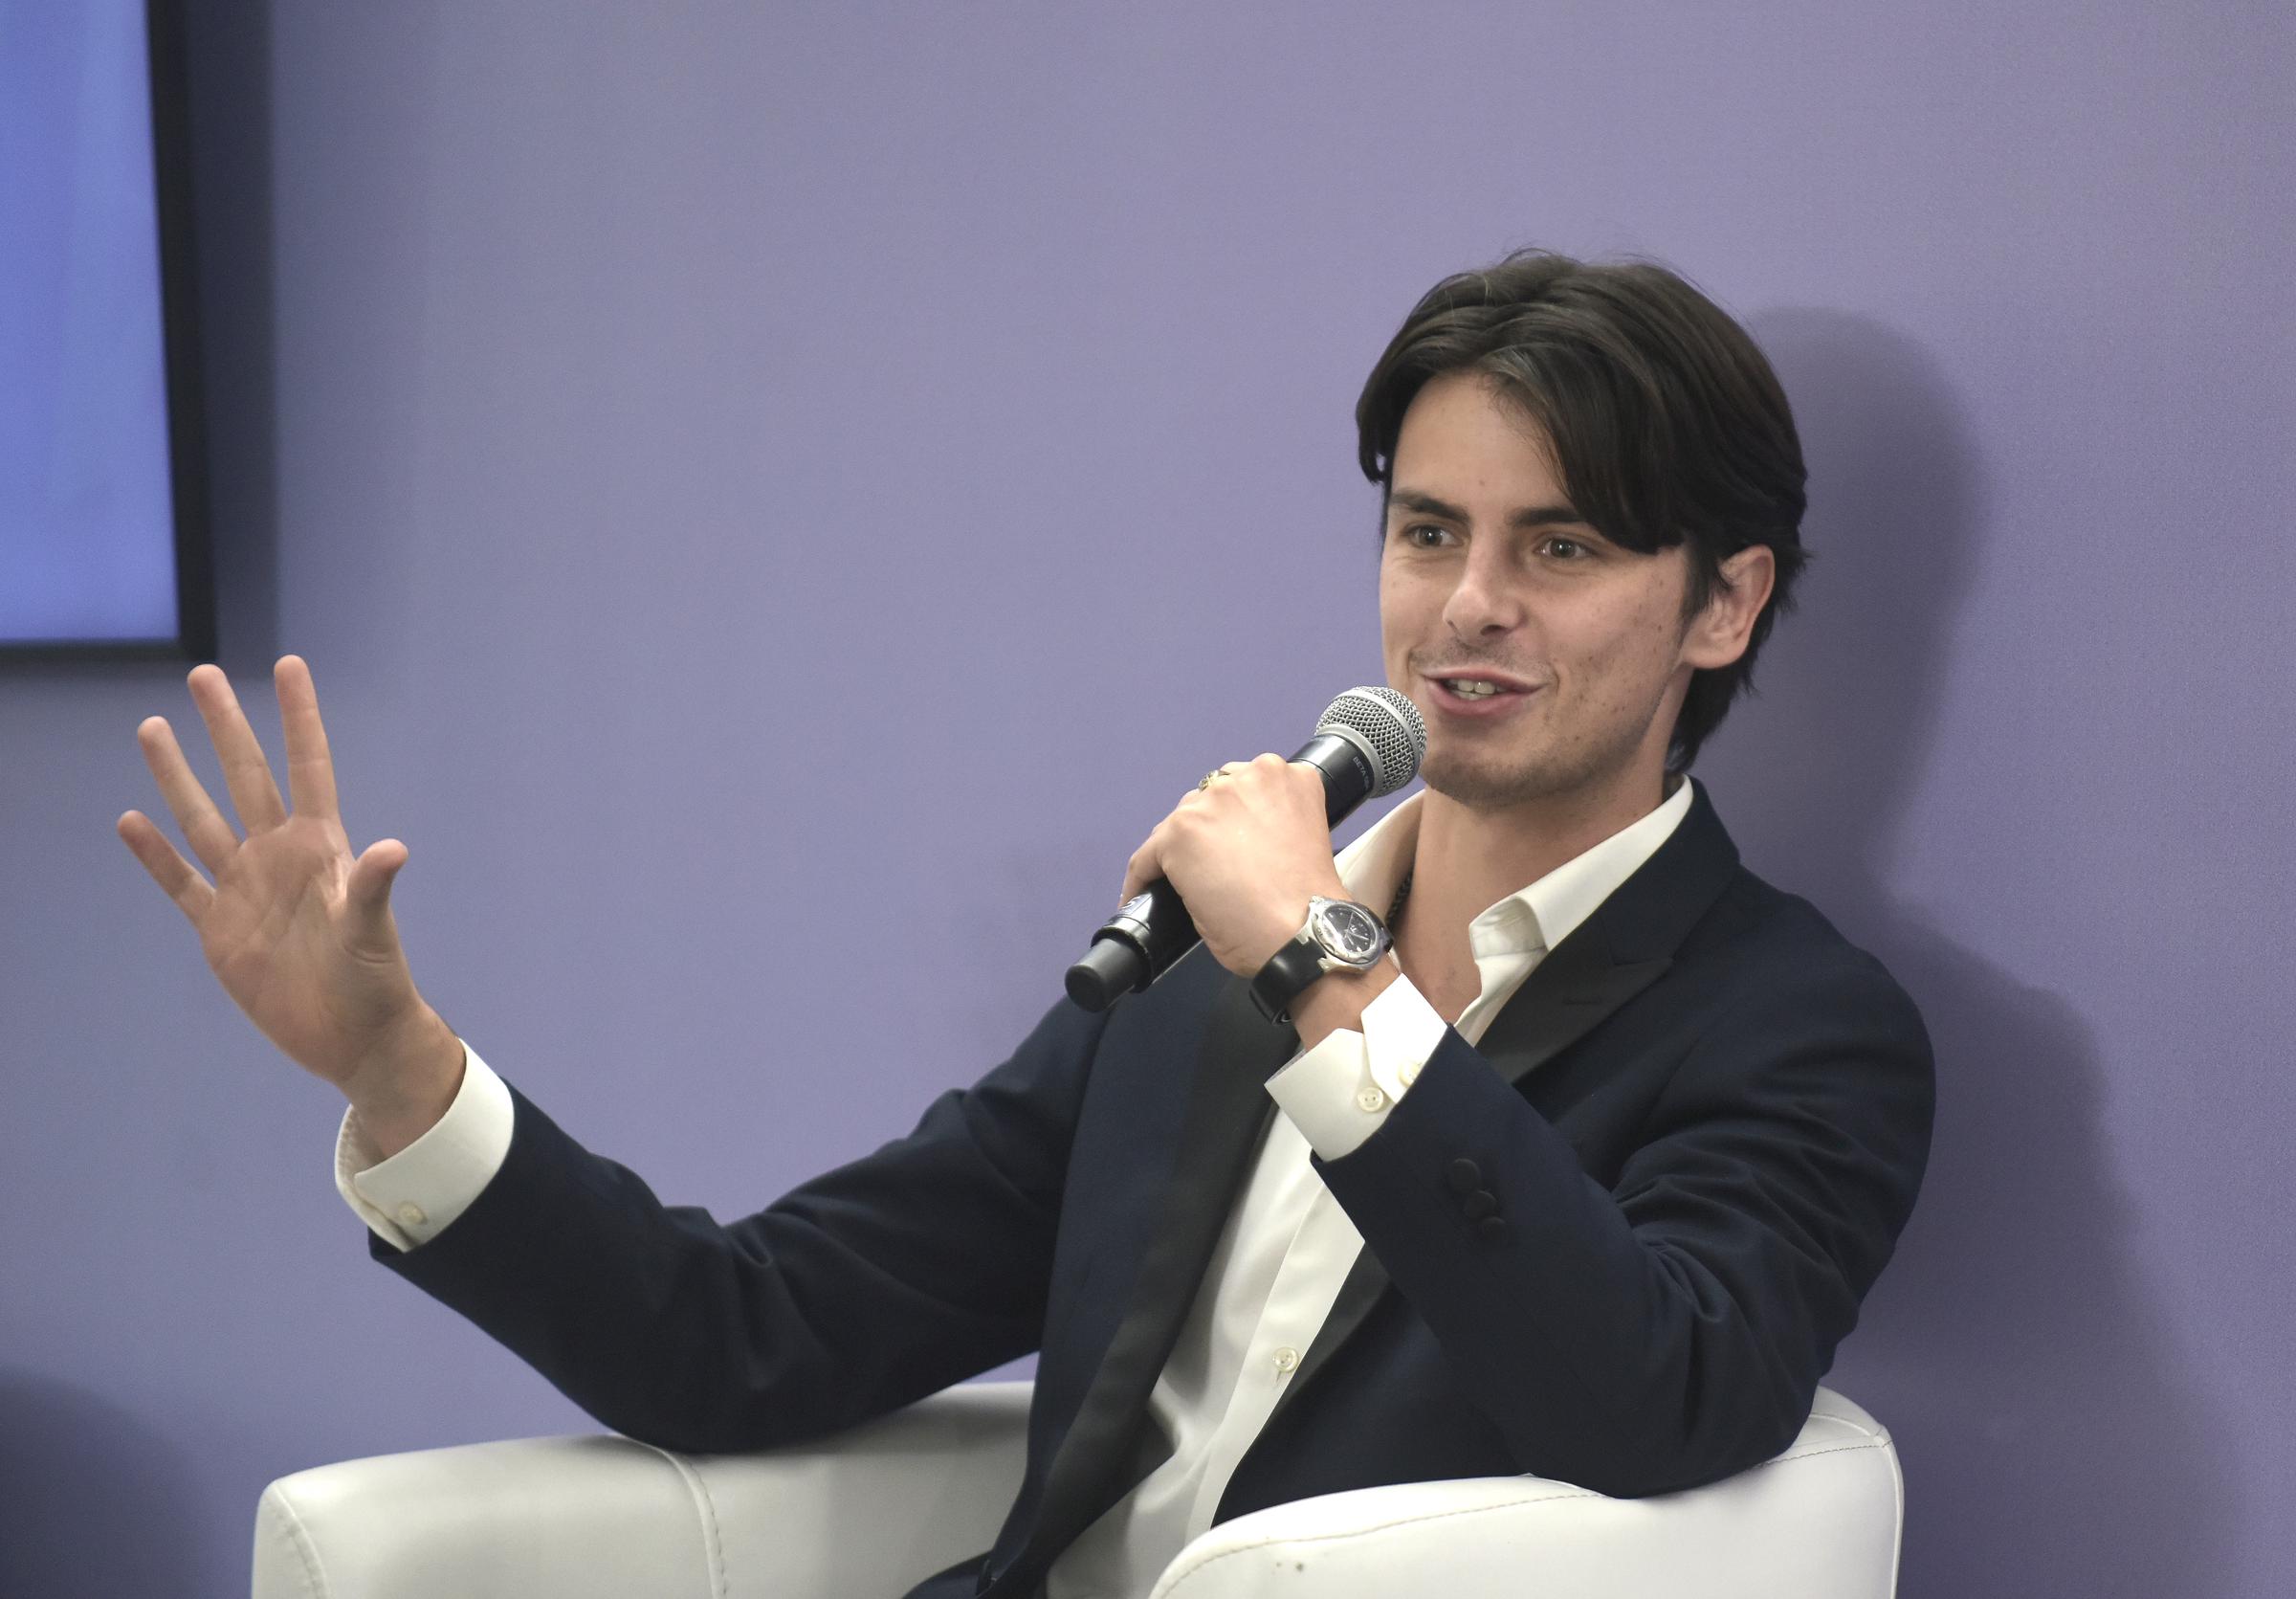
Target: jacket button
<point x="1465" y="1177"/>
<point x="1493" y="1229"/>
<point x="1480" y="1204"/>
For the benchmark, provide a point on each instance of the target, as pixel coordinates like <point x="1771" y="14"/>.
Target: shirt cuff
<point x="413" y="1196"/>
<point x="1339" y="1093"/>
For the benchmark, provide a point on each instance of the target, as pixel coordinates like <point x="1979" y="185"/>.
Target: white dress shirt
<point x="1287" y="1246"/>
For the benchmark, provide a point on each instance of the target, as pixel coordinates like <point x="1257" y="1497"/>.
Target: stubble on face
<point x="1577" y="736"/>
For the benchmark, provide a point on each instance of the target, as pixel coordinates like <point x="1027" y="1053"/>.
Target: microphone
<point x="1367" y="744"/>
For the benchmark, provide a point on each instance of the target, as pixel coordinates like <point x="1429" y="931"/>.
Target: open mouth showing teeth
<point x="1470" y="688"/>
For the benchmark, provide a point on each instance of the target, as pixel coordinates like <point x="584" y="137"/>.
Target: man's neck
<point x="1485" y="856"/>
<point x="1466" y="860"/>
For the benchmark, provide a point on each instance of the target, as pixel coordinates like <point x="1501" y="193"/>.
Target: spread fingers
<point x="246" y="770"/>
<point x="173" y="873"/>
<point x="204" y="827"/>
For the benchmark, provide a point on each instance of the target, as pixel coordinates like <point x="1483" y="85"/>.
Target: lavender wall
<point x="644" y="416"/>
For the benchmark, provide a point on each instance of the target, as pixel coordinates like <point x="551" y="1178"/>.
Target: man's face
<point x="1488" y="577"/>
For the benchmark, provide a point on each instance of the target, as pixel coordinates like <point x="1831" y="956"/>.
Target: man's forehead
<point x="1474" y="413"/>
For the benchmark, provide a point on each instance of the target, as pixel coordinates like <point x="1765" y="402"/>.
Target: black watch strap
<point x="1286" y="975"/>
<point x="1339" y="935"/>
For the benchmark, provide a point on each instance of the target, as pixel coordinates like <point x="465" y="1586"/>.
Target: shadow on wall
<point x="2051" y="1441"/>
<point x="94" y="1503"/>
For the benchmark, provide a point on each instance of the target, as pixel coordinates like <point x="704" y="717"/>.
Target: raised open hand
<point x="296" y="930"/>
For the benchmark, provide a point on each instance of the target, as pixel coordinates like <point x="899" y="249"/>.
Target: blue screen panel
<point x="87" y="538"/>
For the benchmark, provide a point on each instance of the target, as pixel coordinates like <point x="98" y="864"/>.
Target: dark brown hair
<point x="1667" y="425"/>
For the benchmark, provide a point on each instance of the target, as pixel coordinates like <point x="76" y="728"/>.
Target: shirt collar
<point x="1536" y="917"/>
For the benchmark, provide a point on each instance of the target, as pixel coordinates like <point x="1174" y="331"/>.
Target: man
<point x="1585" y="1177"/>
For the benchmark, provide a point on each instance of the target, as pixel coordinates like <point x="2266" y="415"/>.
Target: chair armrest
<point x="1819" y="1521"/>
<point x="876" y="1510"/>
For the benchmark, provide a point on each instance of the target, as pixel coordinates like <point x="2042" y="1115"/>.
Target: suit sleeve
<point x="1669" y="1330"/>
<point x="884" y="1280"/>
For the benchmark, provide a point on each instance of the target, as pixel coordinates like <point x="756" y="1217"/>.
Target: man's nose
<point x="1485" y="603"/>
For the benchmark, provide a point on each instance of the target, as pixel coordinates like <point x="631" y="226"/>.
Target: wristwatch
<point x="1339" y="936"/>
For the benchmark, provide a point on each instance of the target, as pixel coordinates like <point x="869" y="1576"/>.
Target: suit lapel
<point x="1618" y="951"/>
<point x="1104" y="1451"/>
<point x="1573" y="990"/>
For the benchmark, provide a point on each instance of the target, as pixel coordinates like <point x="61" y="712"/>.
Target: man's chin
<point x="1478" y="787"/>
<point x="1490" y="786"/>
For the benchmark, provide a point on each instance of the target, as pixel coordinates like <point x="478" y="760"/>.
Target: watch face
<point x="1348" y="931"/>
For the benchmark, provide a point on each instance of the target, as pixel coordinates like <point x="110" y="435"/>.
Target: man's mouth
<point x="1464" y="689"/>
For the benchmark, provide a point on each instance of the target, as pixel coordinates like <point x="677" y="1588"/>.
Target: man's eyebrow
<point x="1528" y="515"/>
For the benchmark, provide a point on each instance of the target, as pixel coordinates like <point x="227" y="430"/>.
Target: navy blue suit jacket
<point x="1615" y="1244"/>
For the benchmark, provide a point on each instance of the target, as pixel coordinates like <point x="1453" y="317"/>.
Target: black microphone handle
<point x="1348" y="777"/>
<point x="1136" y="945"/>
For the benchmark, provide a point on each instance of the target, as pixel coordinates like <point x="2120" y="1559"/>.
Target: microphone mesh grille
<point x="1389" y="724"/>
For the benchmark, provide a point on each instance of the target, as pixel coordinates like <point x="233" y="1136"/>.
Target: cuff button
<point x="412" y="1216"/>
<point x="1492" y="1229"/>
<point x="1463" y="1176"/>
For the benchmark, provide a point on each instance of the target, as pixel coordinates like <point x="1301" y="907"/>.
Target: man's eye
<point x="1422" y="535"/>
<point x="1565" y="549"/>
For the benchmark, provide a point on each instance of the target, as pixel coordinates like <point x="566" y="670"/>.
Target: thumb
<point x="369" y="893"/>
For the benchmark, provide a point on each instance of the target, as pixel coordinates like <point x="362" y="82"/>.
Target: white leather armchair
<point x="874" y="1511"/>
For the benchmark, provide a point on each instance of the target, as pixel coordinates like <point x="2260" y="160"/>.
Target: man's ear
<point x="1717" y="634"/>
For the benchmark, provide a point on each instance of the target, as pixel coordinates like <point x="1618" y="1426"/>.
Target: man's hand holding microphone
<point x="1246" y="849"/>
